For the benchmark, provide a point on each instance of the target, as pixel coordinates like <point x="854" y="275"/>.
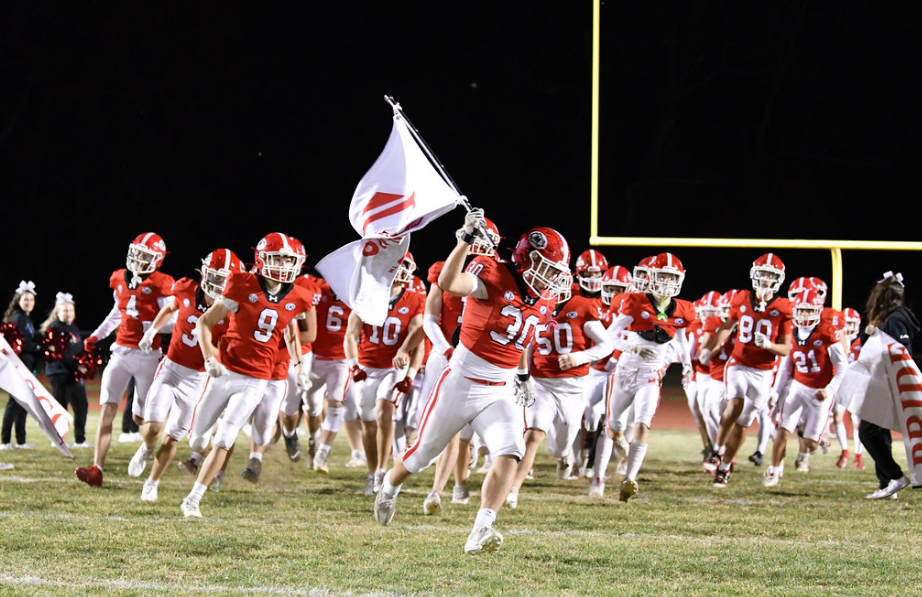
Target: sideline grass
<point x="298" y="533"/>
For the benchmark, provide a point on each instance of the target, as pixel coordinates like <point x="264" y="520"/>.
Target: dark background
<point x="216" y="123"/>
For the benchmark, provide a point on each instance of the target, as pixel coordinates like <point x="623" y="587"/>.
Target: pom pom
<point x="13" y="336"/>
<point x="88" y="363"/>
<point x="54" y="344"/>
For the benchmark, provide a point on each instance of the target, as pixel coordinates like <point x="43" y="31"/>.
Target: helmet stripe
<point x="146" y="238"/>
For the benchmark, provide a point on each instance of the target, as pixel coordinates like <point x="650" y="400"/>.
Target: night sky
<point x="216" y="123"/>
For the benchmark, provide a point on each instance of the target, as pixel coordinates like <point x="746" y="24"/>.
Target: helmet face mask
<point x="279" y="257"/>
<point x="405" y="271"/>
<point x="808" y="309"/>
<point x="545" y="277"/>
<point x="145" y="253"/>
<point x="767" y="275"/>
<point x="666" y="275"/>
<point x="217" y="267"/>
<point x="852" y="323"/>
<point x="615" y="280"/>
<point x="590" y="266"/>
<point x="542" y="258"/>
<point x="564" y="290"/>
<point x="641" y="277"/>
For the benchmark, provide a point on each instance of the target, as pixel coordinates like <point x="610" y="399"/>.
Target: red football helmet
<point x="767" y="274"/>
<point x="852" y="323"/>
<point x="542" y="257"/>
<point x="808" y="307"/>
<point x="279" y="257"/>
<point x="590" y="266"/>
<point x="710" y="304"/>
<point x="641" y="278"/>
<point x="217" y="267"/>
<point x="726" y="299"/>
<point x="615" y="280"/>
<point x="666" y="275"/>
<point x="797" y="286"/>
<point x="418" y="286"/>
<point x="145" y="253"/>
<point x="820" y="287"/>
<point x="482" y="246"/>
<point x="405" y="271"/>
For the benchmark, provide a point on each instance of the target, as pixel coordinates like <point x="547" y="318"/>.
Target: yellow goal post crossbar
<point x="834" y="246"/>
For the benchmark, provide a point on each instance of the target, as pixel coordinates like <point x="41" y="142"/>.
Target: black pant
<point x="878" y="442"/>
<point x="128" y="424"/>
<point x="14" y="413"/>
<point x="69" y="391"/>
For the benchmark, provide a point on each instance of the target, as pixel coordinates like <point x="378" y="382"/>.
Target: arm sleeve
<point x="783" y="379"/>
<point x="840" y="362"/>
<point x="109" y="323"/>
<point x="595" y="331"/>
<point x="618" y="325"/>
<point x="682" y="349"/>
<point x="231" y="304"/>
<point x="434" y="333"/>
<point x="480" y="289"/>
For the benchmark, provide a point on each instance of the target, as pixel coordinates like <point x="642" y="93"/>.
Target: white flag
<point x="402" y="191"/>
<point x="884" y="387"/>
<point x="361" y="274"/>
<point x="16" y="379"/>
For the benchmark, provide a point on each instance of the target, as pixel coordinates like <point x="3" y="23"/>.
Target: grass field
<point x="298" y="533"/>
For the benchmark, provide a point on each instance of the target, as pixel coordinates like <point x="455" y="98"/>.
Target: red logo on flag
<point x="388" y="204"/>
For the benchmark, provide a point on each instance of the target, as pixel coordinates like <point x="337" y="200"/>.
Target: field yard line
<point x="35" y="581"/>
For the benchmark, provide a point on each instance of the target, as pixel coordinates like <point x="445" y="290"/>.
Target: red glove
<point x="358" y="374"/>
<point x="404" y="385"/>
<point x="448" y="352"/>
<point x="89" y="344"/>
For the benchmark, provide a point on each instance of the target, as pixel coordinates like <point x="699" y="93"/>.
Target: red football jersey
<point x="833" y="318"/>
<point x="250" y="346"/>
<point x="720" y="356"/>
<point x="679" y="314"/>
<point x="775" y="321"/>
<point x="311" y="284"/>
<point x="452" y="306"/>
<point x="605" y="317"/>
<point x="380" y="343"/>
<point x="332" y="318"/>
<point x="563" y="336"/>
<point x="499" y="328"/>
<point x="138" y="305"/>
<point x="190" y="302"/>
<point x="695" y="331"/>
<point x="855" y="350"/>
<point x="810" y="357"/>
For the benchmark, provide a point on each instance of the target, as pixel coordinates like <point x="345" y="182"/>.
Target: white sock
<point x="152" y="482"/>
<point x="635" y="456"/>
<point x="287" y="433"/>
<point x="842" y="436"/>
<point x="803" y="456"/>
<point x="773" y="470"/>
<point x="198" y="490"/>
<point x="257" y="455"/>
<point x="720" y="449"/>
<point x="325" y="448"/>
<point x="315" y="435"/>
<point x="603" y="448"/>
<point x="485" y="518"/>
<point x="358" y="454"/>
<point x="380" y="471"/>
<point x="389" y="490"/>
<point x="724" y="466"/>
<point x="333" y="420"/>
<point x="765" y="434"/>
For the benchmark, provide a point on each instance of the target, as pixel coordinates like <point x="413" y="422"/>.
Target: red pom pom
<point x="89" y="363"/>
<point x="54" y="344"/>
<point x="12" y="335"/>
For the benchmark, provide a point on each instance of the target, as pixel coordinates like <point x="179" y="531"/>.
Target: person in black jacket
<point x="62" y="374"/>
<point x="18" y="313"/>
<point x="887" y="312"/>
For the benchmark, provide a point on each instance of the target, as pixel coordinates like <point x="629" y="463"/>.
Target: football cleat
<point x="621" y="469"/>
<point x="379" y="480"/>
<point x="586" y="471"/>
<point x="483" y="540"/>
<point x="756" y="458"/>
<point x="801" y="465"/>
<point x="190" y="509"/>
<point x="293" y="447"/>
<point x="721" y="477"/>
<point x="597" y="488"/>
<point x="188" y="466"/>
<point x="460" y="495"/>
<point x="628" y="490"/>
<point x="859" y="462"/>
<point x="512" y="499"/>
<point x="217" y="482"/>
<point x="320" y="463"/>
<point x="564" y="468"/>
<point x="370" y="485"/>
<point x="149" y="492"/>
<point x="252" y="471"/>
<point x="824" y="445"/>
<point x="385" y="508"/>
<point x="432" y="505"/>
<point x="356" y="461"/>
<point x="770" y="479"/>
<point x="92" y="476"/>
<point x="843" y="459"/>
<point x="312" y="448"/>
<point x="710" y="463"/>
<point x="139" y="461"/>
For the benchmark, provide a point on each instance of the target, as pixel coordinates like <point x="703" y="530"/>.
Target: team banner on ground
<point x="884" y="386"/>
<point x="16" y="379"/>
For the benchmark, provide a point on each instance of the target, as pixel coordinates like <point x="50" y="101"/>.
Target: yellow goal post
<point x="834" y="246"/>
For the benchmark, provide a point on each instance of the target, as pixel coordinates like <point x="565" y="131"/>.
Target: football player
<point x="657" y="320"/>
<point x="140" y="291"/>
<point x="706" y="307"/>
<point x="714" y="398"/>
<point x="807" y="380"/>
<point x="382" y="370"/>
<point x="762" y="320"/>
<point x="506" y="302"/>
<point x="852" y="327"/>
<point x="180" y="378"/>
<point x="261" y="306"/>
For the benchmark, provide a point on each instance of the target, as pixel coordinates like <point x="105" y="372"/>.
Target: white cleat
<point x="320" y="463"/>
<point x="770" y="479"/>
<point x="621" y="469"/>
<point x="355" y="462"/>
<point x="483" y="540"/>
<point x="385" y="508"/>
<point x="460" y="495"/>
<point x="597" y="488"/>
<point x="379" y="480"/>
<point x="139" y="462"/>
<point x="564" y="468"/>
<point x="512" y="500"/>
<point x="369" y="485"/>
<point x="149" y="492"/>
<point x="190" y="509"/>
<point x="432" y="505"/>
<point x="217" y="482"/>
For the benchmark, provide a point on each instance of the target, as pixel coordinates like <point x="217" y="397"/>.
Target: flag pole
<point x="398" y="111"/>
